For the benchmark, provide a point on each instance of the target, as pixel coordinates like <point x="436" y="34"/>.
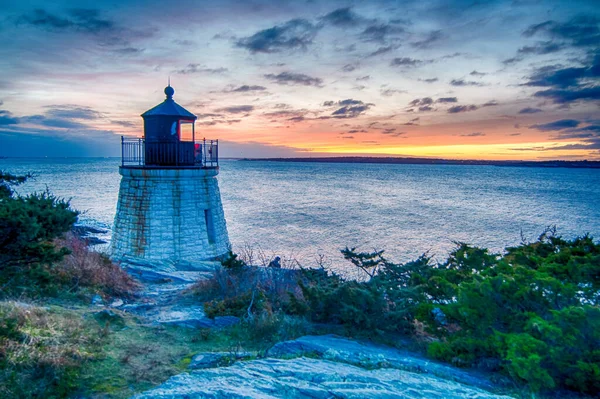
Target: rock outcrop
<point x="336" y="368"/>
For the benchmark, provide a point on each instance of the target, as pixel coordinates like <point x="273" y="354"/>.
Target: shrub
<point x="28" y="227"/>
<point x="246" y="290"/>
<point x="386" y="301"/>
<point x="38" y="258"/>
<point x="83" y="267"/>
<point x="535" y="310"/>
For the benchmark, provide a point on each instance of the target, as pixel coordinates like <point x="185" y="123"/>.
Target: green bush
<point x="535" y="310"/>
<point x="532" y="313"/>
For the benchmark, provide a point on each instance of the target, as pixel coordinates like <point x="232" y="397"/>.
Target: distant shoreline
<point x="437" y="161"/>
<point x="585" y="164"/>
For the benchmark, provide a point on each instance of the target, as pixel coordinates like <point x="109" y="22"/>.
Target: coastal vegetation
<point x="530" y="314"/>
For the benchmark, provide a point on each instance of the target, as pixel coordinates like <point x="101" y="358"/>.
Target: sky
<point x="451" y="79"/>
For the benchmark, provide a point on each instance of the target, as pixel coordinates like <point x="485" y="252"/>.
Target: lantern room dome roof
<point x="169" y="108"/>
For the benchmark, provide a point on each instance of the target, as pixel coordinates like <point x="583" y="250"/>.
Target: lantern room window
<point x="186" y="131"/>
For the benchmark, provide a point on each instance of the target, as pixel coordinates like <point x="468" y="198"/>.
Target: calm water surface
<point x="303" y="209"/>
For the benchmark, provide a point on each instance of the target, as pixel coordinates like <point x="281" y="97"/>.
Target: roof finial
<point x="169" y="90"/>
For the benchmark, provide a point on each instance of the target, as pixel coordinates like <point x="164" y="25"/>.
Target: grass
<point x="42" y="349"/>
<point x="54" y="351"/>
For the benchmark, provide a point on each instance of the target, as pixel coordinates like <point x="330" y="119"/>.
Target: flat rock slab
<point x="371" y="356"/>
<point x="309" y="378"/>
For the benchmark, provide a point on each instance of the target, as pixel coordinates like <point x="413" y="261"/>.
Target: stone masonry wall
<point x="161" y="215"/>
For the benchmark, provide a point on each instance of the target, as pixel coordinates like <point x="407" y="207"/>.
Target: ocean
<point x="306" y="211"/>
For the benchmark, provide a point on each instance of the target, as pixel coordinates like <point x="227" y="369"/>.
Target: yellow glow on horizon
<point x="459" y="151"/>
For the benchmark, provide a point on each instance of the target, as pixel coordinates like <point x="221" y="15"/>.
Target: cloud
<point x="64" y="116"/>
<point x="405" y="62"/>
<point x="197" y="68"/>
<point x="529" y="110"/>
<point x="349" y="67"/>
<point x="290" y="78"/>
<point x="60" y="123"/>
<point x="288" y="114"/>
<point x="237" y="109"/>
<point x="392" y="132"/>
<point x="593" y="144"/>
<point x="381" y="33"/>
<point x="351" y="111"/>
<point x="342" y="17"/>
<point x="567" y="96"/>
<point x="348" y="101"/>
<point x="209" y="115"/>
<point x="477" y="74"/>
<point x="220" y="122"/>
<point x="568" y="84"/>
<point x="421" y="101"/>
<point x="580" y="31"/>
<point x="585" y="132"/>
<point x="461" y="108"/>
<point x="363" y="78"/>
<point x="446" y="100"/>
<point x="540" y="48"/>
<point x="491" y="103"/>
<point x="556" y="125"/>
<point x="247" y="88"/>
<point x="432" y="37"/>
<point x="565" y="77"/>
<point x="412" y="122"/>
<point x="425" y="108"/>
<point x="6" y="118"/>
<point x="391" y="92"/>
<point x="293" y="35"/>
<point x="429" y="80"/>
<point x="86" y="20"/>
<point x="591" y="128"/>
<point x="348" y="108"/>
<point x="382" y="50"/>
<point x="72" y="112"/>
<point x="475" y="134"/>
<point x="186" y="42"/>
<point x="129" y="51"/>
<point x="462" y="82"/>
<point x="124" y="123"/>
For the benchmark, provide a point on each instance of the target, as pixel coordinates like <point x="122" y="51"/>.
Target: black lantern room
<point x="169" y="140"/>
<point x="169" y="134"/>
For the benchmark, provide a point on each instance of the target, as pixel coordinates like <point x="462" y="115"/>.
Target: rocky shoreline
<point x="325" y="366"/>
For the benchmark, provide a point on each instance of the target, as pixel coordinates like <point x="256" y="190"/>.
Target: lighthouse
<point x="169" y="207"/>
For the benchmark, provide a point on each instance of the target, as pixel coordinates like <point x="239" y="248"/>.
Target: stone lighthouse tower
<point x="169" y="206"/>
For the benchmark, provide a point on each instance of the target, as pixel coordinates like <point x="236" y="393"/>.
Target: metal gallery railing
<point x="137" y="152"/>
